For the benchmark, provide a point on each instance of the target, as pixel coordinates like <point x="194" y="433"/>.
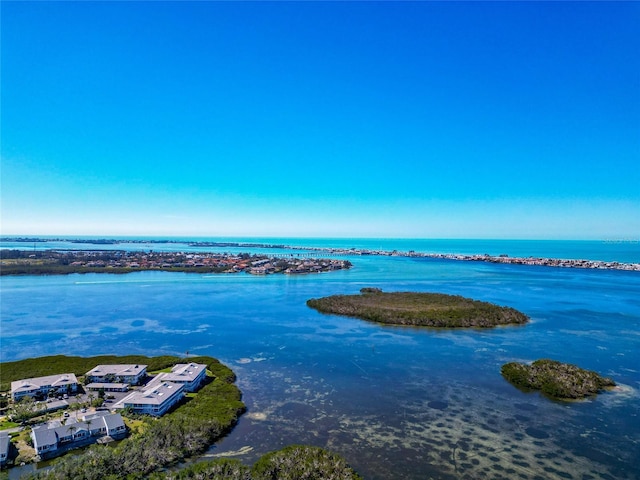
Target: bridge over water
<point x="308" y="254"/>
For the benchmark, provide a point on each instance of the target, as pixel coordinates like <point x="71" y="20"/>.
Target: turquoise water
<point x="396" y="402"/>
<point x="621" y="250"/>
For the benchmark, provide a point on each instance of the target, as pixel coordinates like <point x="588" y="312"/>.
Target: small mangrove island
<point x="555" y="379"/>
<point x="294" y="462"/>
<point x="418" y="309"/>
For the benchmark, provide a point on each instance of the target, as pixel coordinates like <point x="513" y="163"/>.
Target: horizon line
<point x="81" y="236"/>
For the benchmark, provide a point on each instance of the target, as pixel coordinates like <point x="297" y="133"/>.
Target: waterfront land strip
<point x="503" y="258"/>
<point x="335" y="251"/>
<point x="20" y="262"/>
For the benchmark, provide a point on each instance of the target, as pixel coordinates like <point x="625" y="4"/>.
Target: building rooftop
<point x="44" y="435"/>
<point x="155" y="394"/>
<point x="56" y="405"/>
<point x="48" y="434"/>
<point x="106" y="386"/>
<point x="30" y="384"/>
<point x="117" y="370"/>
<point x="4" y="443"/>
<point x="113" y="421"/>
<point x="181" y="373"/>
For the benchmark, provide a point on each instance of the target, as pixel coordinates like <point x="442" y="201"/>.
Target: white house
<point x="191" y="375"/>
<point x="4" y="448"/>
<point x="44" y="439"/>
<point x="131" y="374"/>
<point x="105" y="423"/>
<point x="48" y="438"/>
<point x="156" y="399"/>
<point x="41" y="386"/>
<point x="114" y="425"/>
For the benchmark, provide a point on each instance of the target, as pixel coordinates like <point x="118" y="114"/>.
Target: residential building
<point x="131" y="374"/>
<point x="44" y="439"/>
<point x="107" y="387"/>
<point x="48" y="439"/>
<point x="156" y="399"/>
<point x="105" y="423"/>
<point x="42" y="386"/>
<point x="191" y="375"/>
<point x="4" y="448"/>
<point x="52" y="406"/>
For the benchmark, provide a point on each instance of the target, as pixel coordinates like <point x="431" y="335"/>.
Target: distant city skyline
<point x="321" y="119"/>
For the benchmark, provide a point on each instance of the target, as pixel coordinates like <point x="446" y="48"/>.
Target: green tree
<point x="302" y="462"/>
<point x="23" y="410"/>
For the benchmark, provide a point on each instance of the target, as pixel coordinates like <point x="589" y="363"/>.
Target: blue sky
<point x="337" y="119"/>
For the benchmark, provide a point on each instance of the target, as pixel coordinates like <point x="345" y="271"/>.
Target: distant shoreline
<point x="63" y="262"/>
<point x="339" y="251"/>
<point x="533" y="261"/>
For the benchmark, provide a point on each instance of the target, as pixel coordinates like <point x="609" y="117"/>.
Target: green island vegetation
<point x="155" y="442"/>
<point x="418" y="309"/>
<point x="555" y="379"/>
<point x="53" y="262"/>
<point x="295" y="462"/>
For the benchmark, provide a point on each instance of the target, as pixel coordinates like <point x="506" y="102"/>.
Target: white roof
<point x="30" y="384"/>
<point x="117" y="369"/>
<point x="153" y="395"/>
<point x="182" y="373"/>
<point x="98" y="385"/>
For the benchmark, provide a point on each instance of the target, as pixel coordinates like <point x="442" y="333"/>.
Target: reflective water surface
<point x="396" y="402"/>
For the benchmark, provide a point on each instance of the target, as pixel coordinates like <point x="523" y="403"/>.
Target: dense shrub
<point x="222" y="469"/>
<point x="555" y="379"/>
<point x="299" y="462"/>
<point x="291" y="463"/>
<point x="418" y="309"/>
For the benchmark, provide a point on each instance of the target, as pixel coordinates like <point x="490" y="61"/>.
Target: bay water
<point x="397" y="403"/>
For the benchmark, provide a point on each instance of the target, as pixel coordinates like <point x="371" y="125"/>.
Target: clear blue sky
<point x="416" y="119"/>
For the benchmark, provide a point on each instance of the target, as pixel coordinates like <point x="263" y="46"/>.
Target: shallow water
<point x="396" y="402"/>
